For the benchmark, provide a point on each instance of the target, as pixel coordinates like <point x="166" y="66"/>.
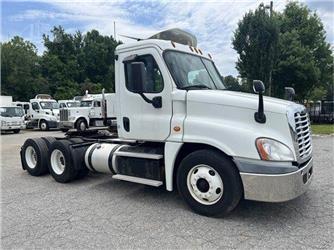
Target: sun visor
<point x="176" y="35"/>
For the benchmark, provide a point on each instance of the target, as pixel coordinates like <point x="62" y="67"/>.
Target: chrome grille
<point x="303" y="134"/>
<point x="63" y="114"/>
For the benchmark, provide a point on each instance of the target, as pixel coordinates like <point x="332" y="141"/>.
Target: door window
<point x="154" y="80"/>
<point x="35" y="106"/>
<point x="97" y="104"/>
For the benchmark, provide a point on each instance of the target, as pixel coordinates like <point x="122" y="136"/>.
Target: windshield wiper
<point x="199" y="86"/>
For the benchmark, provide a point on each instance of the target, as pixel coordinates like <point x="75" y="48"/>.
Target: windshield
<point x="11" y="112"/>
<point x="49" y="105"/>
<point x="85" y="103"/>
<point x="193" y="72"/>
<point x="73" y="104"/>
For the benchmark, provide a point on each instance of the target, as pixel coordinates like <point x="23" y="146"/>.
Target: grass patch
<point x="322" y="129"/>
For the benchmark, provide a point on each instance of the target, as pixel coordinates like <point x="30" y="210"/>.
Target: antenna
<point x="131" y="37"/>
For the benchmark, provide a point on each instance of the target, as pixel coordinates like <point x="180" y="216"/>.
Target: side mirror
<point x="138" y="76"/>
<point x="258" y="87"/>
<point x="289" y="93"/>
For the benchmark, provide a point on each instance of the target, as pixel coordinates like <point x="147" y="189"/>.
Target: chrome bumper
<point x="277" y="187"/>
<point x="65" y="124"/>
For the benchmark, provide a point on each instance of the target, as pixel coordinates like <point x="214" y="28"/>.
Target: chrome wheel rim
<point x="31" y="157"/>
<point x="205" y="184"/>
<point x="57" y="162"/>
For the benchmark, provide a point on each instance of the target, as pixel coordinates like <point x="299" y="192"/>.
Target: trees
<point x="231" y="83"/>
<point x="300" y="56"/>
<point x="255" y="40"/>
<point x="70" y="64"/>
<point x="20" y="70"/>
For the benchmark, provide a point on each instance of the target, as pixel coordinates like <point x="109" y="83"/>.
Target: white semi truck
<point x="43" y="112"/>
<point x="179" y="128"/>
<point x="94" y="110"/>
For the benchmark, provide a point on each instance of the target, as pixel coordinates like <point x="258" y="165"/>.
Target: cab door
<point x="139" y="119"/>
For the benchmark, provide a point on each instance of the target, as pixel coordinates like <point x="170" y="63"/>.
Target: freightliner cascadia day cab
<point x="43" y="112"/>
<point x="179" y="128"/>
<point x="92" y="111"/>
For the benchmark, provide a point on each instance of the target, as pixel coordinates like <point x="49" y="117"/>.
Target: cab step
<point x="144" y="181"/>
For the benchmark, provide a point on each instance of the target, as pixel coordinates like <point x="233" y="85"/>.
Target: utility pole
<point x="115" y="30"/>
<point x="270" y="7"/>
<point x="271" y="70"/>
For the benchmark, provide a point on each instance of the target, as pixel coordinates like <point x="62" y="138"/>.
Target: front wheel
<point x="209" y="182"/>
<point x="43" y="125"/>
<point x="81" y="125"/>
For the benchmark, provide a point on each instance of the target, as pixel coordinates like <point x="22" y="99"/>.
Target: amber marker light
<point x="177" y="129"/>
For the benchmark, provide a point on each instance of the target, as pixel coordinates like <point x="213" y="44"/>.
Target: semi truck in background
<point x="43" y="112"/>
<point x="179" y="128"/>
<point x="94" y="110"/>
<point x="68" y="103"/>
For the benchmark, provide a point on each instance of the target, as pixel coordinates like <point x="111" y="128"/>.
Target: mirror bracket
<point x="156" y="101"/>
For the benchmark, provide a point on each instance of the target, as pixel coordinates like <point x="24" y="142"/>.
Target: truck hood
<point x="238" y="99"/>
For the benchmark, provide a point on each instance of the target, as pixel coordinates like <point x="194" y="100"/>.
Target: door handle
<point x="126" y="124"/>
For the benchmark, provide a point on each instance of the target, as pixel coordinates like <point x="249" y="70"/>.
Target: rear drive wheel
<point x="43" y="125"/>
<point x="60" y="162"/>
<point x="34" y="156"/>
<point x="81" y="125"/>
<point x="209" y="183"/>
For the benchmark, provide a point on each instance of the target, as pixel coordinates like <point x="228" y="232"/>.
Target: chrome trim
<point x="144" y="181"/>
<point x="301" y="135"/>
<point x="139" y="155"/>
<point x="277" y="187"/>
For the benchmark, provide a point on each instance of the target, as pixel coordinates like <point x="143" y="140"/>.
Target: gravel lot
<point x="99" y="212"/>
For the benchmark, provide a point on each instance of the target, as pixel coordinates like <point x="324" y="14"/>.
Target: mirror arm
<point x="259" y="116"/>
<point x="156" y="101"/>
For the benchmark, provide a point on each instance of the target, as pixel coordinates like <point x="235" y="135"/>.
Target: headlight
<point x="53" y="118"/>
<point x="271" y="150"/>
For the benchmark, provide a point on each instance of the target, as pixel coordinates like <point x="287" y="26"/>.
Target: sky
<point x="212" y="22"/>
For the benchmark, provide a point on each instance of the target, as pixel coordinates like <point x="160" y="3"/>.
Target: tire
<point x="64" y="130"/>
<point x="60" y="162"/>
<point x="34" y="156"/>
<point x="81" y="125"/>
<point x="16" y="131"/>
<point x="49" y="140"/>
<point x="43" y="125"/>
<point x="209" y="183"/>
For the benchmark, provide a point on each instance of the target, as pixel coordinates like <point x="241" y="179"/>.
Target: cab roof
<point x="162" y="45"/>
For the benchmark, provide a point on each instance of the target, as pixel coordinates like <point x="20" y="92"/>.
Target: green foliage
<point x="231" y="83"/>
<point x="297" y="51"/>
<point x="20" y="70"/>
<point x="256" y="40"/>
<point x="70" y="64"/>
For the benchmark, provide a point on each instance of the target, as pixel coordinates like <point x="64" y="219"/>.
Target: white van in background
<point x="12" y="119"/>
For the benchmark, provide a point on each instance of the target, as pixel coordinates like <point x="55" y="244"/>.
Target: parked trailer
<point x="177" y="127"/>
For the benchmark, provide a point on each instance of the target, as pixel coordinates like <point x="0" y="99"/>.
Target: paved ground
<point x="98" y="212"/>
